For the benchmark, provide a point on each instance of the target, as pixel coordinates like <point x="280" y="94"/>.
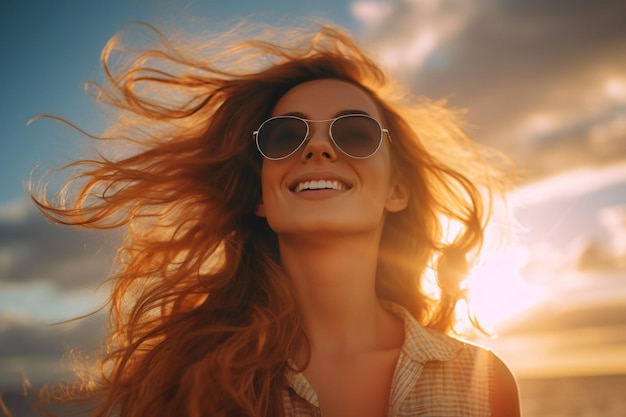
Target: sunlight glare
<point x="497" y="289"/>
<point x="615" y="89"/>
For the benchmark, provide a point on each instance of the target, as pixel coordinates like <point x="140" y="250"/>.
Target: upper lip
<point x="320" y="176"/>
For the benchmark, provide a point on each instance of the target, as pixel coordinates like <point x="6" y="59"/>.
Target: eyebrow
<point x="338" y="114"/>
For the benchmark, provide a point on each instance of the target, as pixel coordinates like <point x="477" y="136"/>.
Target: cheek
<point x="271" y="179"/>
<point x="266" y="174"/>
<point x="380" y="171"/>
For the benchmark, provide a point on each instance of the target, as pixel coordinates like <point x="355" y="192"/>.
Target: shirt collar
<point x="420" y="345"/>
<point x="424" y="345"/>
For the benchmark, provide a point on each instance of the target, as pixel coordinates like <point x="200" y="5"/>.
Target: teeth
<point x="319" y="185"/>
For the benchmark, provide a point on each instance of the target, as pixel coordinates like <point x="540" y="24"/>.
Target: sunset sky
<point x="543" y="81"/>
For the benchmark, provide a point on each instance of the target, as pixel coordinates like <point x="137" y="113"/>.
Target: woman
<point x="284" y="208"/>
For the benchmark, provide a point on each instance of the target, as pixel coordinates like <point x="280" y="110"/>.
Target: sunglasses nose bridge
<point x="319" y="139"/>
<point x="319" y="130"/>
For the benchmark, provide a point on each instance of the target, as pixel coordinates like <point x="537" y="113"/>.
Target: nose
<point x="319" y="145"/>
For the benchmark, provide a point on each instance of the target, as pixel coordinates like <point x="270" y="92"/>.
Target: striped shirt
<point x="435" y="375"/>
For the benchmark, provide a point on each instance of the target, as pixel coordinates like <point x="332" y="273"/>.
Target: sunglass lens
<point x="279" y="137"/>
<point x="358" y="136"/>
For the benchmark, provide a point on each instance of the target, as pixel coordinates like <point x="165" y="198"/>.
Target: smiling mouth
<point x="319" y="185"/>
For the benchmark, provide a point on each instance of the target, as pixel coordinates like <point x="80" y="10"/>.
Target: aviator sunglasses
<point x="356" y="135"/>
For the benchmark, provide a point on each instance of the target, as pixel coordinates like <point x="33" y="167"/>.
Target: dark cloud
<point x="512" y="62"/>
<point x="33" y="248"/>
<point x="41" y="352"/>
<point x="32" y="251"/>
<point x="32" y="338"/>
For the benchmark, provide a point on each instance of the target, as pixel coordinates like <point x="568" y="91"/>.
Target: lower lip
<point x="318" y="194"/>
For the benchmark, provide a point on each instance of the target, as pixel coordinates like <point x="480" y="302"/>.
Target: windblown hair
<point x="202" y="317"/>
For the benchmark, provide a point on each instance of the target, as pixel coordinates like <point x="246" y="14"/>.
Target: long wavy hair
<point x="202" y="317"/>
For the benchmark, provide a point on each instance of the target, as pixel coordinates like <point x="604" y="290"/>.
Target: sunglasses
<point x="356" y="135"/>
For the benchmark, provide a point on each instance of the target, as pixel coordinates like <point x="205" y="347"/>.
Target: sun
<point x="497" y="289"/>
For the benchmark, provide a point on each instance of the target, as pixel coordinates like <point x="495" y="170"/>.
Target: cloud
<point x="606" y="254"/>
<point x="371" y="13"/>
<point x="32" y="248"/>
<point x="47" y="302"/>
<point x="405" y="33"/>
<point x="574" y="228"/>
<point x="21" y="336"/>
<point x="588" y="265"/>
<point x="47" y="273"/>
<point x="596" y="256"/>
<point x="544" y="81"/>
<point x="569" y="184"/>
<point x="613" y="219"/>
<point x="39" y="352"/>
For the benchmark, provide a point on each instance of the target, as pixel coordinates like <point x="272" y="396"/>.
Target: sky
<point x="543" y="81"/>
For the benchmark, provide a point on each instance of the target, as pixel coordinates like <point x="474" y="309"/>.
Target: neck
<point x="335" y="283"/>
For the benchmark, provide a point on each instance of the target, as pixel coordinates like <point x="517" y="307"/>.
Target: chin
<point x="322" y="227"/>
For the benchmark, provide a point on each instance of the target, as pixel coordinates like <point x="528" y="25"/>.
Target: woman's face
<point x="356" y="193"/>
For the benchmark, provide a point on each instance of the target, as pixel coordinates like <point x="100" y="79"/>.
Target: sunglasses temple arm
<point x="388" y="134"/>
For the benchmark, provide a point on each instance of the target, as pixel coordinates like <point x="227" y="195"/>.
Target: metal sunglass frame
<point x="330" y="134"/>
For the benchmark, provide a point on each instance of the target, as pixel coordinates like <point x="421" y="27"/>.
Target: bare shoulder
<point x="504" y="395"/>
<point x="502" y="384"/>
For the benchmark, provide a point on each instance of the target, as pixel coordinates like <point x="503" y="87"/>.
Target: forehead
<point x="324" y="99"/>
